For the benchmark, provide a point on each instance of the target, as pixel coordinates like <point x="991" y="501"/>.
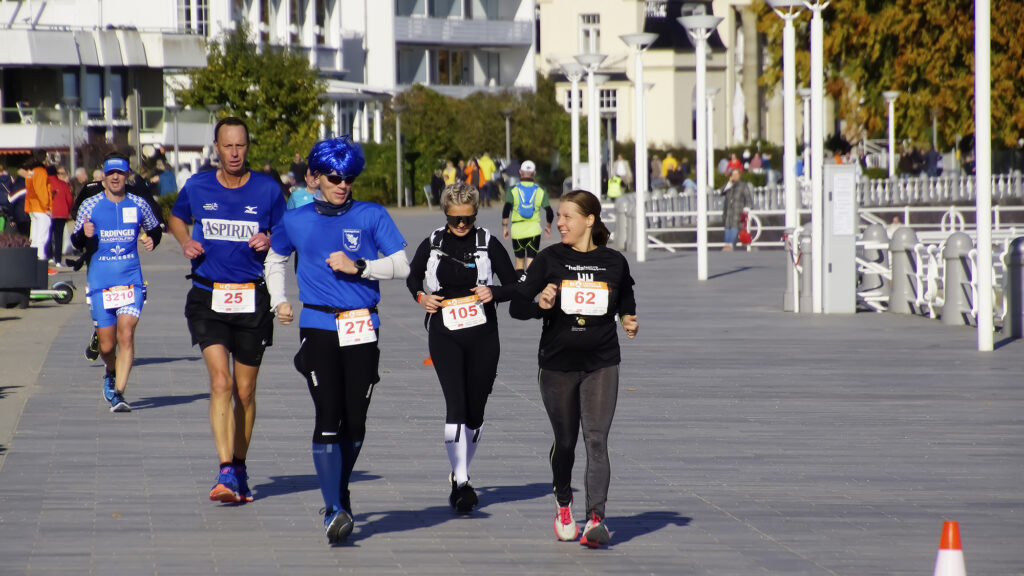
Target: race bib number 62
<point x="584" y="298"/>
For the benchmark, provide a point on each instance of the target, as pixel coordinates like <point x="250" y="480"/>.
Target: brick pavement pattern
<point x="747" y="441"/>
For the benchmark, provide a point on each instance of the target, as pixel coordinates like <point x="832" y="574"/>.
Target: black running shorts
<point x="526" y="247"/>
<point x="245" y="335"/>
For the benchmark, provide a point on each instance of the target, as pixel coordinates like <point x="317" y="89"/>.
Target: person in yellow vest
<point x="669" y="165"/>
<point x="523" y="203"/>
<point x="448" y="174"/>
<point x="487" y="169"/>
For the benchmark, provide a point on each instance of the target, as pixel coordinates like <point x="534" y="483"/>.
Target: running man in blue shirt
<point x="228" y="307"/>
<point x="338" y="241"/>
<point x="107" y="227"/>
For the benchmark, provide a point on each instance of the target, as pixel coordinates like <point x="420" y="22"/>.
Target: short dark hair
<point x="116" y="154"/>
<point x="230" y="121"/>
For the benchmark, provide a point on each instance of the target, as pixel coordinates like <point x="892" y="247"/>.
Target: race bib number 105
<point x="584" y="298"/>
<point x="355" y="327"/>
<point x="459" y="313"/>
<point x="234" y="298"/>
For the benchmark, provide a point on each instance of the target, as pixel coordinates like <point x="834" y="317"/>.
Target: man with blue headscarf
<point x="338" y="241"/>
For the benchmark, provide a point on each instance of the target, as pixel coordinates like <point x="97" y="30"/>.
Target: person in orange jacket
<point x="38" y="203"/>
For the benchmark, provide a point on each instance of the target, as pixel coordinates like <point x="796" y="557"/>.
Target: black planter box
<point x="20" y="272"/>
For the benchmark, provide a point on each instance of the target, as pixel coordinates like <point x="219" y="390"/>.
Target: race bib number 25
<point x="234" y="298"/>
<point x="584" y="298"/>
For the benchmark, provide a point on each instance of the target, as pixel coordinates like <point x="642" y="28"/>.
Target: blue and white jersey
<point x="116" y="261"/>
<point x="225" y="219"/>
<point x="365" y="230"/>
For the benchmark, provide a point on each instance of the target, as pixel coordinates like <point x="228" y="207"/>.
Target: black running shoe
<point x="92" y="351"/>
<point x="463" y="497"/>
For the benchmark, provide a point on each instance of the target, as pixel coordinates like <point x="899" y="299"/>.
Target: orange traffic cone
<point x="428" y="362"/>
<point x="950" y="561"/>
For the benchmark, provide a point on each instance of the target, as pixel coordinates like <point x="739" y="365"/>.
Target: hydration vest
<point x="527" y="207"/>
<point x="481" y="261"/>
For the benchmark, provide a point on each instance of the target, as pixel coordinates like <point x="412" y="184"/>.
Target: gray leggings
<point x="572" y="399"/>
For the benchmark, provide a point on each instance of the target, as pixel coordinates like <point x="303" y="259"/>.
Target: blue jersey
<point x="116" y="260"/>
<point x="226" y="218"/>
<point x="361" y="232"/>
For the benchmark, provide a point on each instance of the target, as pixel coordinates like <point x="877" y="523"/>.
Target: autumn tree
<point x="924" y="49"/>
<point x="276" y="92"/>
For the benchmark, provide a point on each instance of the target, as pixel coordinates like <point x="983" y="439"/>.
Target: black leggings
<point x="340" y="381"/>
<point x="572" y="399"/>
<point x="466" y="362"/>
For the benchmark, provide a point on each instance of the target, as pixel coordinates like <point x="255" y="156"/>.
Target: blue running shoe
<point x="108" y="387"/>
<point x="118" y="404"/>
<point x="243" y="483"/>
<point x="226" y="488"/>
<point x="338" y="525"/>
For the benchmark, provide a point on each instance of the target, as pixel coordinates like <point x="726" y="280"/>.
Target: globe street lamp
<point x="700" y="27"/>
<point x="639" y="42"/>
<point x="789" y="10"/>
<point x="591" y="62"/>
<point x="398" y="109"/>
<point x="890" y="98"/>
<point x="817" y="153"/>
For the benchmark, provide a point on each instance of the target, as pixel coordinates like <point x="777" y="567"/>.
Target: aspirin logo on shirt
<point x="352" y="239"/>
<point x="210" y="206"/>
<point x="230" y="230"/>
<point x="250" y="209"/>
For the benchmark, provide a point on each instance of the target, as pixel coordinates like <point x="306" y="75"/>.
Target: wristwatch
<point x="360" y="267"/>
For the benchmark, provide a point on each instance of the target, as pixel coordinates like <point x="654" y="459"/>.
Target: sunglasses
<point x="456" y="221"/>
<point x="337" y="179"/>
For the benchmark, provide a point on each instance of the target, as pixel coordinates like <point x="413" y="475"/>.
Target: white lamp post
<point x="174" y="108"/>
<point x="591" y="62"/>
<point x="398" y="109"/>
<point x="890" y="98"/>
<point x="789" y="10"/>
<point x="639" y="42"/>
<point x="712" y="92"/>
<point x="817" y="153"/>
<point x="805" y="95"/>
<point x="507" y="113"/>
<point x="983" y="166"/>
<point x="700" y="27"/>
<point x="574" y="72"/>
<point x="70" y="102"/>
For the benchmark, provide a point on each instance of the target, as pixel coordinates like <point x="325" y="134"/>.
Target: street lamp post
<point x="700" y="27"/>
<point x="789" y="10"/>
<point x="507" y="113"/>
<point x="983" y="167"/>
<point x="174" y="108"/>
<point x="70" y="102"/>
<point x="890" y="98"/>
<point x="817" y="153"/>
<point x="639" y="42"/>
<point x="805" y="95"/>
<point x="591" y="62"/>
<point x="398" y="109"/>
<point x="574" y="72"/>
<point x="935" y="128"/>
<point x="712" y="92"/>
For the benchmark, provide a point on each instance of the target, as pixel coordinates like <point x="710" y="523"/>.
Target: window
<point x="297" y="16"/>
<point x="608" y="100"/>
<point x="590" y="33"/>
<point x="449" y="68"/>
<point x="568" y="99"/>
<point x="193" y="16"/>
<point x="320" y="26"/>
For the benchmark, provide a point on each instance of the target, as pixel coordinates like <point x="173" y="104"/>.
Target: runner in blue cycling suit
<point x="108" y="224"/>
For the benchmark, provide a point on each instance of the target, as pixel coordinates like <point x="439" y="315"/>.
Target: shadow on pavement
<point x="735" y="271"/>
<point x="145" y="361"/>
<point x="279" y="485"/>
<point x="4" y="390"/>
<point x="625" y="528"/>
<point x="405" y="520"/>
<point x="496" y="494"/>
<point x="165" y="401"/>
<point x="3" y="449"/>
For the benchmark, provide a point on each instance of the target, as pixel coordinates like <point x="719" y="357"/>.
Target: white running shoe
<point x="565" y="526"/>
<point x="596" y="533"/>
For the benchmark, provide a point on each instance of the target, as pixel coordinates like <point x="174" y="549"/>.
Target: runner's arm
<point x="394" y="266"/>
<point x="274" y="271"/>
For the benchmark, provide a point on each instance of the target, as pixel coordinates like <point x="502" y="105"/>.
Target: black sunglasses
<point x="337" y="179"/>
<point x="455" y="221"/>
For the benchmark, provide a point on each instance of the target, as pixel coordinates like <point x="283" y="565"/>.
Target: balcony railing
<point x="445" y="31"/>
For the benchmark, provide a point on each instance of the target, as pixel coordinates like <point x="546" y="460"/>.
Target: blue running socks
<point x="327" y="460"/>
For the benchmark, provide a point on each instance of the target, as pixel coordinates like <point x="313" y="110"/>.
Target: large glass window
<point x="193" y="16"/>
<point x="450" y="68"/>
<point x="608" y="100"/>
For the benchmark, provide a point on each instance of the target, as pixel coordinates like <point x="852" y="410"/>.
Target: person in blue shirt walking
<point x="338" y="241"/>
<point x="228" y="307"/>
<point x="108" y="225"/>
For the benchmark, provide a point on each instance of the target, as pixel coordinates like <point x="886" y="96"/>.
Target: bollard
<point x="629" y="225"/>
<point x="621" y="235"/>
<point x="956" y="307"/>
<point x="806" y="280"/>
<point x="870" y="281"/>
<point x="901" y="291"/>
<point x="1014" y="290"/>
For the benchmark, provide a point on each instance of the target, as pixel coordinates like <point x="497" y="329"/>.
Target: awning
<point x="37" y="48"/>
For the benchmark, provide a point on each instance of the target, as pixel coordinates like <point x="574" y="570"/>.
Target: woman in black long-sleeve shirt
<point x="582" y="285"/>
<point x="450" y="277"/>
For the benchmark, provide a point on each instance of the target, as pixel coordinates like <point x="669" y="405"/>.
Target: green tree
<point x="924" y="49"/>
<point x="274" y="90"/>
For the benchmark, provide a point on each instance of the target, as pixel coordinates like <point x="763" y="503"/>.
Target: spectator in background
<point x="487" y="170"/>
<point x="168" y="182"/>
<point x="306" y="193"/>
<point x="755" y="163"/>
<point x="623" y="171"/>
<point x="436" y="186"/>
<point x="298" y="167"/>
<point x="81" y="179"/>
<point x="931" y="163"/>
<point x="61" y="211"/>
<point x="474" y="177"/>
<point x="448" y="174"/>
<point x="460" y="172"/>
<point x="38" y="203"/>
<point x="734" y="164"/>
<point x="97" y="175"/>
<point x="738" y="198"/>
<point x="656" y="179"/>
<point x="668" y="166"/>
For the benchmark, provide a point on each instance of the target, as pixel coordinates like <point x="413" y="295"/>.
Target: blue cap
<point x="116" y="165"/>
